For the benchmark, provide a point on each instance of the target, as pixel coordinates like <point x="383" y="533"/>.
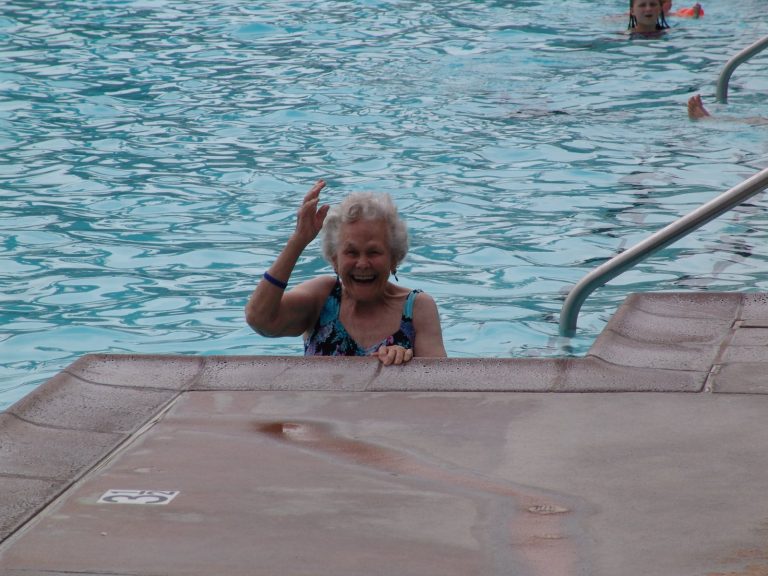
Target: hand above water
<point x="310" y="217"/>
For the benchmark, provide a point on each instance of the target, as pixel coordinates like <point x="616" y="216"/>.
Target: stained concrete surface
<point x="624" y="462"/>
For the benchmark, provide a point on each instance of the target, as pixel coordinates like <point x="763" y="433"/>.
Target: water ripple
<point x="152" y="155"/>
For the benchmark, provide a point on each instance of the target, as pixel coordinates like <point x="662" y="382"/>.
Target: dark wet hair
<point x="661" y="23"/>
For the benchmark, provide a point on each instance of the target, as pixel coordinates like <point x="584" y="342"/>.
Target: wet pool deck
<point x="649" y="456"/>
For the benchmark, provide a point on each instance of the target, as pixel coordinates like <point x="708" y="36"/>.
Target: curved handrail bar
<point x="725" y="75"/>
<point x="664" y="237"/>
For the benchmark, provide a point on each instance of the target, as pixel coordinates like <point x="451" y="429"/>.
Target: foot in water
<point x="696" y="108"/>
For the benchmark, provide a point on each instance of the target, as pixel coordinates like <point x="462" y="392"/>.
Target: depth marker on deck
<point x="150" y="497"/>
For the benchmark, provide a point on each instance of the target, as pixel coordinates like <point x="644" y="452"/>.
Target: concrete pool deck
<point x="648" y="456"/>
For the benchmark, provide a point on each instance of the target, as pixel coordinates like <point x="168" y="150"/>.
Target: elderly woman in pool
<point x="359" y="312"/>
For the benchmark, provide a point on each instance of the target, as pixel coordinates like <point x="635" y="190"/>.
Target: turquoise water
<point x="153" y="153"/>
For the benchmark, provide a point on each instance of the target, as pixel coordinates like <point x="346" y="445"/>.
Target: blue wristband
<point x="274" y="281"/>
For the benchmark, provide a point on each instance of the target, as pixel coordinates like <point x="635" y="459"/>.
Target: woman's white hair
<point x="365" y="206"/>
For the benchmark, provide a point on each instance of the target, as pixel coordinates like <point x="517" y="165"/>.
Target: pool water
<point x="153" y="154"/>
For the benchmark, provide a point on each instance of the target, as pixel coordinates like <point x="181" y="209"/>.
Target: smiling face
<point x="364" y="260"/>
<point x="646" y="13"/>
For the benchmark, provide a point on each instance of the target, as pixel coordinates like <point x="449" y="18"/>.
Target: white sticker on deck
<point x="152" y="497"/>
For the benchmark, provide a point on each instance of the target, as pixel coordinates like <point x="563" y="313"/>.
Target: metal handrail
<point x="743" y="56"/>
<point x="664" y="237"/>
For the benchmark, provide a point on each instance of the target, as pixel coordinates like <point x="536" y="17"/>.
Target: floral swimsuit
<point x="330" y="338"/>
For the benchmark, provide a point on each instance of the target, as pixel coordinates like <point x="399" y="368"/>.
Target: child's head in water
<point x="647" y="16"/>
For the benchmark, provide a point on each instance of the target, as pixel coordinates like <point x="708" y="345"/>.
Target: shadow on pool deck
<point x="271" y="465"/>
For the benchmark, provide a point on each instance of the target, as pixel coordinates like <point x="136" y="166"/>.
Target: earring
<point x="394" y="273"/>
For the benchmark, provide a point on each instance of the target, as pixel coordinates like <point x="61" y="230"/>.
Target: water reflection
<point x="152" y="153"/>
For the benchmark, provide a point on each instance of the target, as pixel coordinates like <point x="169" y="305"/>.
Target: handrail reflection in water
<point x="664" y="237"/>
<point x="730" y="66"/>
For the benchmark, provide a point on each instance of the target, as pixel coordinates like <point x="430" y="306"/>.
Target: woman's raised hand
<point x="310" y="215"/>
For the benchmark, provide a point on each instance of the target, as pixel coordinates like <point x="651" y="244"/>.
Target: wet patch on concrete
<point x="68" y="433"/>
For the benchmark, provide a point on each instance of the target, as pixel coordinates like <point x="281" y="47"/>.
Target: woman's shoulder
<point x="426" y="322"/>
<point x="318" y="284"/>
<point x="423" y="304"/>
<point x="312" y="292"/>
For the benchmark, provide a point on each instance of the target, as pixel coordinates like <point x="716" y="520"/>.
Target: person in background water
<point x="695" y="11"/>
<point x="696" y="111"/>
<point x="646" y="17"/>
<point x="359" y="312"/>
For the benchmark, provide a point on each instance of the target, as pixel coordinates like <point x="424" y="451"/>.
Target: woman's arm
<point x="271" y="311"/>
<point x="426" y="323"/>
<point x="289" y="313"/>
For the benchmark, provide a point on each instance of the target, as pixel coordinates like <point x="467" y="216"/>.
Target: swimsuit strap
<point x="408" y="308"/>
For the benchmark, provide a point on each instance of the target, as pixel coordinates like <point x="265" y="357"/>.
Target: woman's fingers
<point x="394" y="355"/>
<point x="314" y="192"/>
<point x="320" y="215"/>
<point x="310" y="218"/>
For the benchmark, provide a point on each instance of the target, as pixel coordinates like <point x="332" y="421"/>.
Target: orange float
<point x="692" y="12"/>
